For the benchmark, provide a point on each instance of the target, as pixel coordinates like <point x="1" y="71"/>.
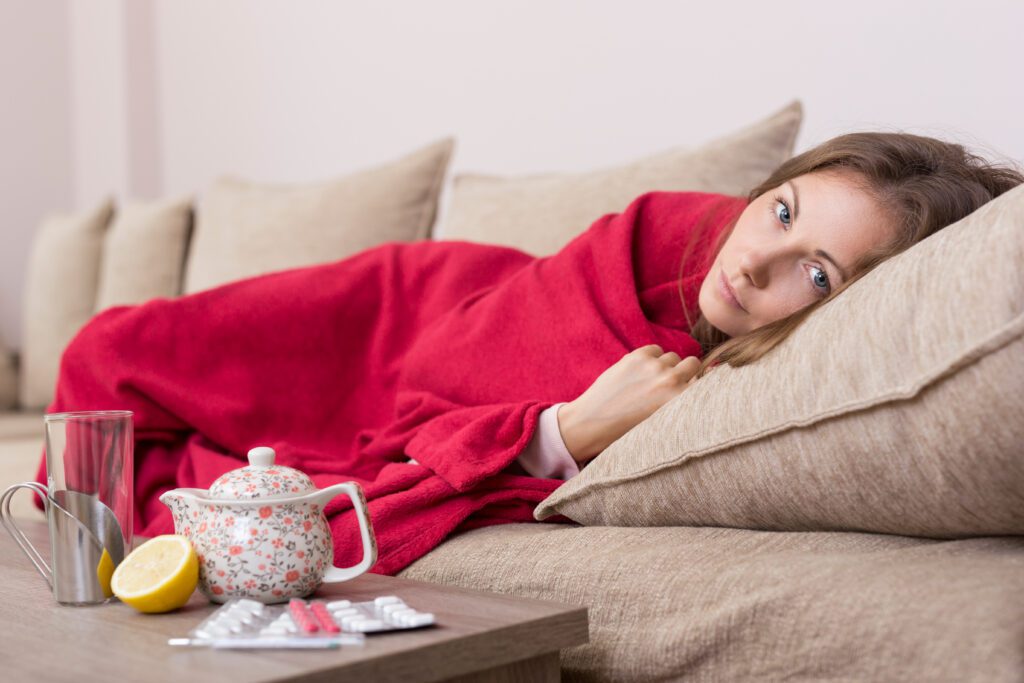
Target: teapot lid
<point x="261" y="478"/>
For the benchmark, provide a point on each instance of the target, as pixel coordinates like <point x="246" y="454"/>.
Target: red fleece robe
<point x="445" y="352"/>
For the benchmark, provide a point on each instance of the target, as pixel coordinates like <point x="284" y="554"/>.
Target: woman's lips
<point x="726" y="291"/>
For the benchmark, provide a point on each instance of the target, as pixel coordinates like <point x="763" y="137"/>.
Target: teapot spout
<point x="181" y="502"/>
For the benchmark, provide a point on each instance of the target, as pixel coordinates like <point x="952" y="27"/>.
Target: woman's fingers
<point x="688" y="367"/>
<point x="650" y="350"/>
<point x="670" y="359"/>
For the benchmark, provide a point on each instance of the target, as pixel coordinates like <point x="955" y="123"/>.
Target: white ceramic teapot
<point x="260" y="531"/>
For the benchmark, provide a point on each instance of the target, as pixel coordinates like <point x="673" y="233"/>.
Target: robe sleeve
<point x="462" y="444"/>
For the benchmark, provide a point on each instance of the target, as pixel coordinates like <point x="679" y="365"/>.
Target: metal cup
<point x="88" y="502"/>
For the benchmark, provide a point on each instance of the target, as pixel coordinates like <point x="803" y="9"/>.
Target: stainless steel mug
<point x="88" y="502"/>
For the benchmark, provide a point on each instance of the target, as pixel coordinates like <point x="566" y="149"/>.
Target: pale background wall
<point x="148" y="98"/>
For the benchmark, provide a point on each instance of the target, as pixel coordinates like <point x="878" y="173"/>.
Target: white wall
<point x="277" y="92"/>
<point x="35" y="138"/>
<point x="292" y="91"/>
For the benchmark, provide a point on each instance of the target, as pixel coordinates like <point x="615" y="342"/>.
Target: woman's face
<point x="776" y="260"/>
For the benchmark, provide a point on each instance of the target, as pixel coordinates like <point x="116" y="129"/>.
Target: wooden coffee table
<point x="478" y="636"/>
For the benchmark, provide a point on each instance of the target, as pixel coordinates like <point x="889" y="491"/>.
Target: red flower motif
<point x="287" y="520"/>
<point x="307" y="525"/>
<point x="276" y="484"/>
<point x="202" y="527"/>
<point x="277" y="591"/>
<point x="291" y="576"/>
<point x="220" y="572"/>
<point x="235" y="550"/>
<point x="265" y="511"/>
<point x="216" y="590"/>
<point x="300" y="554"/>
<point x="262" y="567"/>
<point x="230" y="521"/>
<point x="253" y="532"/>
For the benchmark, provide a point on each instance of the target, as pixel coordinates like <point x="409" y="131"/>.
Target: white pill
<point x="391" y="609"/>
<point x="422" y="619"/>
<point x="345" y="611"/>
<point x="213" y="631"/>
<point x="386" y="600"/>
<point x="339" y="604"/>
<point x="368" y="625"/>
<point x="397" y="614"/>
<point x="251" y="605"/>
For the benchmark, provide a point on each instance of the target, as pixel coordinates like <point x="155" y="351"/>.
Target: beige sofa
<point x="668" y="599"/>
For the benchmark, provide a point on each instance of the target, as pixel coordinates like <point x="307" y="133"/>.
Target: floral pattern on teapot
<point x="247" y="483"/>
<point x="271" y="553"/>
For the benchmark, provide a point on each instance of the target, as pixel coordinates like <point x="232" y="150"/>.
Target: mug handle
<point x="335" y="574"/>
<point x="16" y="533"/>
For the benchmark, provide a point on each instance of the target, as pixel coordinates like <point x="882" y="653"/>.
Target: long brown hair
<point x="924" y="184"/>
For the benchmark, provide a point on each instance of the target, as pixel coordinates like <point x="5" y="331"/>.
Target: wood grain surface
<point x="477" y="636"/>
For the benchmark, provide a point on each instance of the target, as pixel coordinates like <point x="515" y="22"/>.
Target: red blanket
<point x="443" y="352"/>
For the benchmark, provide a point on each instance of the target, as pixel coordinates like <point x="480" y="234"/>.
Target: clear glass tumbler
<point x="88" y="500"/>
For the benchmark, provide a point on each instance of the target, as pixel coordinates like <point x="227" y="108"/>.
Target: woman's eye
<point x="782" y="212"/>
<point x="819" y="279"/>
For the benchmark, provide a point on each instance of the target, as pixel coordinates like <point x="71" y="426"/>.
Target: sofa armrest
<point x="8" y="379"/>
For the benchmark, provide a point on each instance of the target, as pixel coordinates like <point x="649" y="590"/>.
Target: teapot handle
<point x="335" y="574"/>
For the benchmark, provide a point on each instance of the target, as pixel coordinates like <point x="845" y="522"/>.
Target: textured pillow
<point x="144" y="252"/>
<point x="245" y="229"/>
<point x="541" y="214"/>
<point x="60" y="295"/>
<point x="897" y="408"/>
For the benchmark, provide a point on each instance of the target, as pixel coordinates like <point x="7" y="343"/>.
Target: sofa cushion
<point x="20" y="454"/>
<point x="898" y="407"/>
<point x="18" y="424"/>
<point x="144" y="252"/>
<point x="677" y="603"/>
<point x="540" y="214"/>
<point x="245" y="228"/>
<point x="60" y="295"/>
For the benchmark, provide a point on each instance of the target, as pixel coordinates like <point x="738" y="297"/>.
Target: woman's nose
<point x="756" y="261"/>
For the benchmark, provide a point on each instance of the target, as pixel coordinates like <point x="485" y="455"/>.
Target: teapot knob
<point x="261" y="456"/>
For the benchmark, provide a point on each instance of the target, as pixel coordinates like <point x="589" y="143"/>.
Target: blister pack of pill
<point x="245" y="624"/>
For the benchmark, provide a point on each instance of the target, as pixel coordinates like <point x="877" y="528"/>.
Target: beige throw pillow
<point x="245" y="229"/>
<point x="60" y="295"/>
<point x="541" y="214"/>
<point x="144" y="252"/>
<point x="896" y="408"/>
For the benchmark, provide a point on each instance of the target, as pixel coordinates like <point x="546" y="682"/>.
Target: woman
<point x="818" y="224"/>
<point x="423" y="370"/>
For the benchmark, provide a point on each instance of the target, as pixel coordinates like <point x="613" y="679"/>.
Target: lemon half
<point x="159" y="575"/>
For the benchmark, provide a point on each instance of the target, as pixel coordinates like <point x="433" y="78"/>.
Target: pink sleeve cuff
<point x="546" y="455"/>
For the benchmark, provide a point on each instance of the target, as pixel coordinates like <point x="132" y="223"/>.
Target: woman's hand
<point x="622" y="397"/>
